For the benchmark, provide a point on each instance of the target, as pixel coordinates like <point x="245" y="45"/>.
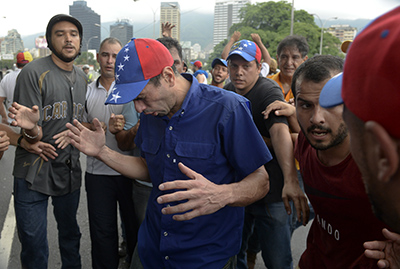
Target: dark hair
<point x="169" y="43"/>
<point x="111" y="40"/>
<point x="58" y="18"/>
<point x="296" y="41"/>
<point x="316" y="69"/>
<point x="156" y="80"/>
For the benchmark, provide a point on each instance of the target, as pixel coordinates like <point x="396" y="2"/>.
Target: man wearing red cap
<point x="49" y="93"/>
<point x="270" y="215"/>
<point x="371" y="97"/>
<point x="199" y="73"/>
<point x="193" y="151"/>
<point x="7" y="86"/>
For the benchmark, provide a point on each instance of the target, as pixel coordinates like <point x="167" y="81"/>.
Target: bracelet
<point x="32" y="137"/>
<point x="19" y="140"/>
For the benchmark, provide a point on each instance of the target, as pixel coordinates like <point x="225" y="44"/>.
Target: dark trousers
<point x="104" y="194"/>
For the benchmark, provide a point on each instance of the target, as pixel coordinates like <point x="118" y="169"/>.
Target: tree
<point x="272" y="21"/>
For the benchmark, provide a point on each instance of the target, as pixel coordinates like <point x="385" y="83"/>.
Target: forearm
<point x="250" y="189"/>
<point x="3" y="112"/>
<point x="11" y="134"/>
<point x="265" y="53"/>
<point x="33" y="135"/>
<point x="129" y="166"/>
<point x="125" y="139"/>
<point x="227" y="48"/>
<point x="283" y="147"/>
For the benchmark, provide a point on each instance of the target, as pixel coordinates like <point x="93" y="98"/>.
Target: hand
<point x="292" y="191"/>
<point x="166" y="29"/>
<point x="386" y="252"/>
<point x="280" y="108"/>
<point x="103" y="126"/>
<point x="204" y="197"/>
<point x="44" y="150"/>
<point x="236" y="36"/>
<point x="88" y="142"/>
<point x="4" y="141"/>
<point x="116" y="123"/>
<point x="4" y="120"/>
<point x="256" y="38"/>
<point x="62" y="139"/>
<point x="23" y="116"/>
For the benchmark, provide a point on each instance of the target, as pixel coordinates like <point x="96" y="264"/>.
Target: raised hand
<point x="23" y="116"/>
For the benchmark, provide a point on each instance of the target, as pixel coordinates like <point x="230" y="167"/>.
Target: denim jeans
<point x="274" y="233"/>
<point x="31" y="217"/>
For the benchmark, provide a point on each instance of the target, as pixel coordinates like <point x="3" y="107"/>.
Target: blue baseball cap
<point x="247" y="49"/>
<point x="331" y="94"/>
<point x="219" y="61"/>
<point x="136" y="63"/>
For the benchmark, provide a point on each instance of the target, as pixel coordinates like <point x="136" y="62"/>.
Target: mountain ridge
<point x="195" y="27"/>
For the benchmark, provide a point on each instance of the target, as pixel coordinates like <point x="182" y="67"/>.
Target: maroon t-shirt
<point x="343" y="216"/>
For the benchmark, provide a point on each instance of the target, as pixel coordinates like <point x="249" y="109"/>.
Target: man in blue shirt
<point x="200" y="149"/>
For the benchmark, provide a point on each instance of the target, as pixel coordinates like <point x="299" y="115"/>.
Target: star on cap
<point x="120" y="67"/>
<point x="115" y="97"/>
<point x="126" y="58"/>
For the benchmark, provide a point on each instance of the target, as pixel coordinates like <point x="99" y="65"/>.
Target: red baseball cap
<point x="137" y="62"/>
<point x="24" y="57"/>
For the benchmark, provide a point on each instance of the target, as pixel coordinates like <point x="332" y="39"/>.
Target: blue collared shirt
<point x="213" y="134"/>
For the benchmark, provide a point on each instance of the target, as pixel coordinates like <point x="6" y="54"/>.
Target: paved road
<point x="10" y="246"/>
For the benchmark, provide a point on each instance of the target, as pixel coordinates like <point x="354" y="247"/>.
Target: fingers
<point x="187" y="171"/>
<point x="287" y="205"/>
<point x="390" y="235"/>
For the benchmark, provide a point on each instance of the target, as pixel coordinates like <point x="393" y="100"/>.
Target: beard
<point x="342" y="133"/>
<point x="64" y="58"/>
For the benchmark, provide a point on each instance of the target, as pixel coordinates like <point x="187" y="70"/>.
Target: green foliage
<point x="87" y="58"/>
<point x="272" y="21"/>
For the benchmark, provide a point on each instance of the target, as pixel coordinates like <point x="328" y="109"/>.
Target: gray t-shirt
<point x="61" y="97"/>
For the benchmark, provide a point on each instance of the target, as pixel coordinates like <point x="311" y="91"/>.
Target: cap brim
<point x="244" y="55"/>
<point x="331" y="94"/>
<point x="124" y="93"/>
<point x="218" y="61"/>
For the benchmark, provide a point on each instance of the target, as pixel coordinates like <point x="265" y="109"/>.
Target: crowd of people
<point x="208" y="175"/>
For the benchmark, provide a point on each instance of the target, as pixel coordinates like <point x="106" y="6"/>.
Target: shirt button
<point x="166" y="257"/>
<point x="168" y="156"/>
<point x="170" y="128"/>
<point x="165" y="234"/>
<point x="174" y="160"/>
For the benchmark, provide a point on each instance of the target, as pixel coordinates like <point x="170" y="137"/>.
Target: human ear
<point x="387" y="150"/>
<point x="168" y="76"/>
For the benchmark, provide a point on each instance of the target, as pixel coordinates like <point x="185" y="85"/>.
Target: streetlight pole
<point x="99" y="25"/>
<point x="292" y="19"/>
<point x="87" y="48"/>
<point x="322" y="30"/>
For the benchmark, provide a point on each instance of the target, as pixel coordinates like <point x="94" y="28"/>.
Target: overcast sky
<point x="30" y="16"/>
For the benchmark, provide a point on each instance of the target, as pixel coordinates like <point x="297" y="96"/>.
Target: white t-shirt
<point x="7" y="86"/>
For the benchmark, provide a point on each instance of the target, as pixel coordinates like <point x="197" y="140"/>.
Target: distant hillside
<point x="196" y="27"/>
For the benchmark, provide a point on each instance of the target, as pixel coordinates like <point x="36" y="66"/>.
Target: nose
<point x="139" y="106"/>
<point x="318" y="115"/>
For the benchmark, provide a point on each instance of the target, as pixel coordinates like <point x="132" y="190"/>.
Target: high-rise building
<point x="12" y="43"/>
<point x="171" y="12"/>
<point x="90" y="21"/>
<point x="122" y="30"/>
<point x="226" y="13"/>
